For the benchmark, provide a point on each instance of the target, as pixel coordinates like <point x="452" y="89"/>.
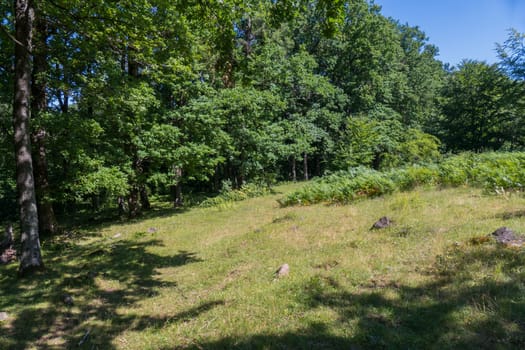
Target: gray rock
<point x="505" y="235"/>
<point x="3" y="316"/>
<point x="282" y="271"/>
<point x="7" y="256"/>
<point x="152" y="230"/>
<point x="384" y="222"/>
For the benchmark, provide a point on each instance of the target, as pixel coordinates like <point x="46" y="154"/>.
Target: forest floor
<point x="204" y="278"/>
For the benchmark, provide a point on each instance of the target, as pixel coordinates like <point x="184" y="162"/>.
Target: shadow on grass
<point x="517" y="214"/>
<point x="475" y="299"/>
<point x="103" y="279"/>
<point x="84" y="224"/>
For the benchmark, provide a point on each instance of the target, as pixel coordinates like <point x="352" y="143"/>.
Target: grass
<point x="204" y="278"/>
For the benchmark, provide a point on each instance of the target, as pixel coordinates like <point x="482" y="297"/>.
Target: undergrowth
<point x="228" y="195"/>
<point x="494" y="172"/>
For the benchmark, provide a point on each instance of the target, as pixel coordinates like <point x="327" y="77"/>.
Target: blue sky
<point x="460" y="28"/>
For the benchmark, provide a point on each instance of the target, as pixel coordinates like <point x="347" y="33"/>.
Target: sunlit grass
<point x="204" y="278"/>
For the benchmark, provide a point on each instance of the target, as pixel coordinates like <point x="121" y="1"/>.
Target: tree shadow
<point x="508" y="215"/>
<point x="100" y="279"/>
<point x="475" y="299"/>
<point x="85" y="224"/>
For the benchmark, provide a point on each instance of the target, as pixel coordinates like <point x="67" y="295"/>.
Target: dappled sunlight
<point x="113" y="275"/>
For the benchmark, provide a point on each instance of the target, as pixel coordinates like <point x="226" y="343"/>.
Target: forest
<point x="131" y="102"/>
<point x="160" y="159"/>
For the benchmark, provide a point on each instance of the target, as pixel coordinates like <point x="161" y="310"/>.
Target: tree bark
<point x="133" y="202"/>
<point x="294" y="170"/>
<point x="177" y="188"/>
<point x="318" y="166"/>
<point x="31" y="258"/>
<point x="144" y="198"/>
<point x="305" y="166"/>
<point x="46" y="215"/>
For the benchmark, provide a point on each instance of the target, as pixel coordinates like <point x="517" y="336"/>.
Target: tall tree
<point x="477" y="114"/>
<point x="512" y="54"/>
<point x="46" y="215"/>
<point x="31" y="257"/>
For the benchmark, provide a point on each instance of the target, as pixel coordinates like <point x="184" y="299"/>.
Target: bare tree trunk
<point x="31" y="258"/>
<point x="318" y="166"/>
<point x="144" y="198"/>
<point x="133" y="202"/>
<point x="46" y="215"/>
<point x="305" y="166"/>
<point x="177" y="188"/>
<point x="121" y="206"/>
<point x="294" y="170"/>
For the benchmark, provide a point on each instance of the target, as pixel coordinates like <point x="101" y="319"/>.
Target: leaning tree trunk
<point x="30" y="258"/>
<point x="46" y="215"/>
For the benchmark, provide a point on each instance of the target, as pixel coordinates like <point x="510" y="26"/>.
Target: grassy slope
<point x="204" y="279"/>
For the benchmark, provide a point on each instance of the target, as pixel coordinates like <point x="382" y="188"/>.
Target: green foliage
<point x="491" y="171"/>
<point x="384" y="144"/>
<point x="413" y="176"/>
<point x="158" y="97"/>
<point x="227" y="196"/>
<point x="494" y="172"/>
<point x="478" y="109"/>
<point x="108" y="182"/>
<point x="342" y="187"/>
<point x="512" y="54"/>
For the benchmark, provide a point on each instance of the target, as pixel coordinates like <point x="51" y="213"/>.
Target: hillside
<point x="204" y="278"/>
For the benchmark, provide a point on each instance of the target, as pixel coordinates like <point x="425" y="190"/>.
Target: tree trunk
<point x="121" y="206"/>
<point x="177" y="188"/>
<point x="305" y="166"/>
<point x="133" y="202"/>
<point x="144" y="198"/>
<point x="46" y="215"/>
<point x="31" y="258"/>
<point x="294" y="170"/>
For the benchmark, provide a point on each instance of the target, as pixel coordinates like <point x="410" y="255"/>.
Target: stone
<point x="504" y="235"/>
<point x="384" y="222"/>
<point x="3" y="316"/>
<point x="152" y="230"/>
<point x="7" y="256"/>
<point x="67" y="299"/>
<point x="118" y="235"/>
<point x="282" y="271"/>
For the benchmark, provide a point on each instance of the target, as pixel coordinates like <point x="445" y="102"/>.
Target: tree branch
<point x="87" y="18"/>
<point x="13" y="39"/>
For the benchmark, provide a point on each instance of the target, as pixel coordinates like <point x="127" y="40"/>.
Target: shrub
<point x="228" y="195"/>
<point x="495" y="172"/>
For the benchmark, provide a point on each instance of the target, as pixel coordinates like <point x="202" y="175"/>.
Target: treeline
<point x="138" y="98"/>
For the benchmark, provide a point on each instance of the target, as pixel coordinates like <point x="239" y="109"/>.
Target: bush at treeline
<point x="494" y="172"/>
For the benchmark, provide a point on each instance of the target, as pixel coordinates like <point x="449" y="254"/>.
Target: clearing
<point x="204" y="278"/>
